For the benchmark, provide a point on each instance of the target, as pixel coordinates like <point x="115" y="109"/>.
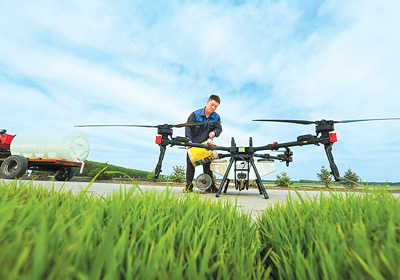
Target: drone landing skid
<point x="241" y="183"/>
<point x="241" y="174"/>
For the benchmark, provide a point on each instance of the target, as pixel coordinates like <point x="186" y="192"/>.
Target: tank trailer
<point x="58" y="151"/>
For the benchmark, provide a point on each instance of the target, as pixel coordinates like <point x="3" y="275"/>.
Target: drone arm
<point x="326" y="138"/>
<point x="184" y="142"/>
<point x="301" y="141"/>
<point x="275" y="146"/>
<point x="287" y="156"/>
<point x="224" y="155"/>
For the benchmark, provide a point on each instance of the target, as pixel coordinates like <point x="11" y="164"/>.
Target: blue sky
<point x="141" y="62"/>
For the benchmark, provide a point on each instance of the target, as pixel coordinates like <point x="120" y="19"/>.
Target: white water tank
<point x="66" y="144"/>
<point x="264" y="168"/>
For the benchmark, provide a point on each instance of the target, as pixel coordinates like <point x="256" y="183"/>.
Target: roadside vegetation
<point x="335" y="236"/>
<point x="325" y="176"/>
<point x="96" y="167"/>
<point x="50" y="234"/>
<point x="350" y="181"/>
<point x="283" y="180"/>
<point x="133" y="234"/>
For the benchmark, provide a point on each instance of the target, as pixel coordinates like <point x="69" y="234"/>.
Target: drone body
<point x="241" y="159"/>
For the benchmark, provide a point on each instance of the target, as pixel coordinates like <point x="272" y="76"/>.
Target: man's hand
<point x="187" y="147"/>
<point x="211" y="135"/>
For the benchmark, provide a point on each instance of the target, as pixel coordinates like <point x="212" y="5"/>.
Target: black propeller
<point x="321" y="121"/>
<point x="149" y="126"/>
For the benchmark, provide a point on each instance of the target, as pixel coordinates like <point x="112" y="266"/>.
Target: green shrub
<point x="178" y="174"/>
<point x="283" y="179"/>
<point x="325" y="176"/>
<point x="351" y="179"/>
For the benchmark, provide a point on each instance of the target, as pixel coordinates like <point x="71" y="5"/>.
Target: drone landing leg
<point x="335" y="170"/>
<point x="226" y="185"/>
<point x="225" y="177"/>
<point x="260" y="184"/>
<point x="158" y="170"/>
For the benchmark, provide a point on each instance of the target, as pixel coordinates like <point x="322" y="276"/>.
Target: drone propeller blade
<point x="195" y="123"/>
<point x="149" y="126"/>
<point x="286" y="121"/>
<point x="366" y="120"/>
<point x="128" y="125"/>
<point x="318" y="122"/>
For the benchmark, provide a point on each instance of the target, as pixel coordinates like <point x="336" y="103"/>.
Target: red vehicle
<point x="15" y="166"/>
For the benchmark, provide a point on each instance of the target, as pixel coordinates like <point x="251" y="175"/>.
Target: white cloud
<point x="122" y="62"/>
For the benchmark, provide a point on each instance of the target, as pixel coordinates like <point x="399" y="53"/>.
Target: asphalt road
<point x="249" y="201"/>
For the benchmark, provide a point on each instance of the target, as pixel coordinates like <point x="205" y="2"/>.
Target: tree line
<point x="96" y="167"/>
<point x="350" y="179"/>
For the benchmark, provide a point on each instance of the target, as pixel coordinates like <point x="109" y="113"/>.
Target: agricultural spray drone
<point x="242" y="161"/>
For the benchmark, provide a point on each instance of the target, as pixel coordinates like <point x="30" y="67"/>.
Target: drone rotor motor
<point x="203" y="181"/>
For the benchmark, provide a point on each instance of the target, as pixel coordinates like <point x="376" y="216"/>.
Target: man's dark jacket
<point x="199" y="133"/>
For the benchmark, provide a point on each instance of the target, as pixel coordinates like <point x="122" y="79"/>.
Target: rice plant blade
<point x="94" y="178"/>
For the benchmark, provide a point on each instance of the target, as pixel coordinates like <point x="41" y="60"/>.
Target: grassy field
<point x="49" y="234"/>
<point x="341" y="236"/>
<point x="127" y="235"/>
<point x="335" y="187"/>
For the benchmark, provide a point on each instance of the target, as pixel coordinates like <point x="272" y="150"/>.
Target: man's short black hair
<point x="215" y="97"/>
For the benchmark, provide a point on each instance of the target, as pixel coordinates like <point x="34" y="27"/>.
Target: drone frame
<point x="324" y="136"/>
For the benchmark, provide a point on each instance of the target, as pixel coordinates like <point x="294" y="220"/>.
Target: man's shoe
<point x="188" y="189"/>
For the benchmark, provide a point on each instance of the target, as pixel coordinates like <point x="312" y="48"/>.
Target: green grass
<point x="335" y="186"/>
<point x="52" y="234"/>
<point x="340" y="236"/>
<point x="60" y="235"/>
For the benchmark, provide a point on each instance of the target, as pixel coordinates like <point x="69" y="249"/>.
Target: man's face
<point x="211" y="106"/>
